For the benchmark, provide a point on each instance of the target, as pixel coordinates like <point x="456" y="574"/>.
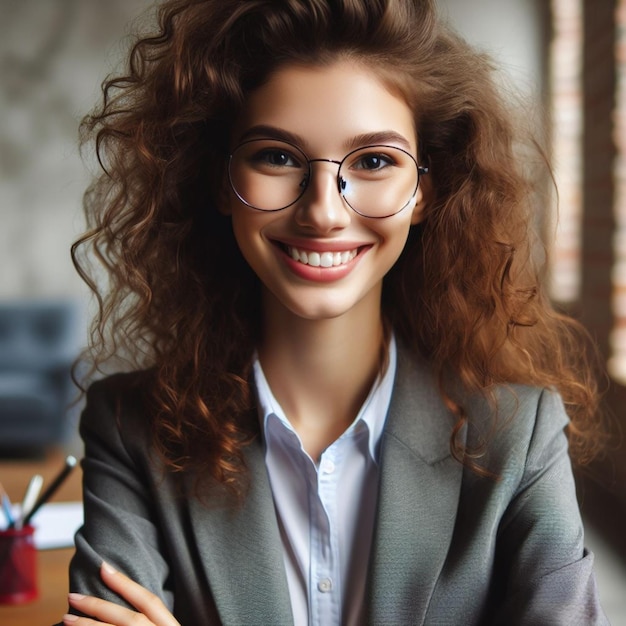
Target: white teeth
<point x="314" y="259"/>
<point x="321" y="259"/>
<point x="326" y="260"/>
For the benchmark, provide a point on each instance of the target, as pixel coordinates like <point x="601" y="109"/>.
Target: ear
<point x="421" y="197"/>
<point x="417" y="215"/>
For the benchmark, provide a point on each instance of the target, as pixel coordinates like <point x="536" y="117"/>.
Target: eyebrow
<point x="383" y="137"/>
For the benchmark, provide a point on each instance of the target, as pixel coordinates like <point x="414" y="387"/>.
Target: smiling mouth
<point x="321" y="259"/>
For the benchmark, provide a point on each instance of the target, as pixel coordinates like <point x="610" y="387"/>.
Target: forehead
<point x="327" y="106"/>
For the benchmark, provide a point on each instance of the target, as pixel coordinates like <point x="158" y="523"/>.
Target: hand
<point x="150" y="609"/>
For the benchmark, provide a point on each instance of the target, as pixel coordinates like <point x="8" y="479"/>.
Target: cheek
<point x="392" y="243"/>
<point x="244" y="234"/>
<point x="247" y="228"/>
<point x="395" y="235"/>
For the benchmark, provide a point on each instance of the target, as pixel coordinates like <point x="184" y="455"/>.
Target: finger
<point x="143" y="600"/>
<point x="108" y="613"/>
<point x="75" y="620"/>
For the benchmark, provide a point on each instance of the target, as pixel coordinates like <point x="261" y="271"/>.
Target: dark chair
<point x="38" y="344"/>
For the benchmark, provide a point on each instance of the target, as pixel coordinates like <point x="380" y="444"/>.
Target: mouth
<point x="313" y="258"/>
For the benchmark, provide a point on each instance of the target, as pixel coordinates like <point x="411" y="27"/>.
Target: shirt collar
<point x="372" y="413"/>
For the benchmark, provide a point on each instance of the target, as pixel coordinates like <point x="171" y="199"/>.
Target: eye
<point x="275" y="157"/>
<point x="372" y="161"/>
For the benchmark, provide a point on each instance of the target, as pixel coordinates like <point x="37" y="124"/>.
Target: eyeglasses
<point x="375" y="181"/>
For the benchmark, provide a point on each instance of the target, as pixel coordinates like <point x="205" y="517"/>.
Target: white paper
<point x="55" y="524"/>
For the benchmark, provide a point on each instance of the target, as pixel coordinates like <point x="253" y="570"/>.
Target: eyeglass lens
<point x="375" y="181"/>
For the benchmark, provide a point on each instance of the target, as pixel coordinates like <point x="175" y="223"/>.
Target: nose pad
<point x="345" y="188"/>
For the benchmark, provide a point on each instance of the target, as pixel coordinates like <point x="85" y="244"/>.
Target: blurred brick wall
<point x="565" y="104"/>
<point x="619" y="134"/>
<point x="598" y="150"/>
<point x="602" y="244"/>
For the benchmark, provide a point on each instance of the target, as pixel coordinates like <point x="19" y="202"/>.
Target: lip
<point x="320" y="274"/>
<point x="316" y="245"/>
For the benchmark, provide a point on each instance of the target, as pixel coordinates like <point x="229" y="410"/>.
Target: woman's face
<point x="318" y="258"/>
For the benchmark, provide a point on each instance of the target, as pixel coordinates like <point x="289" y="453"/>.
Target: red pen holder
<point x="18" y="566"/>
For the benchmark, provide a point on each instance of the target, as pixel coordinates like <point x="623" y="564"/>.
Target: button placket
<point x="326" y="608"/>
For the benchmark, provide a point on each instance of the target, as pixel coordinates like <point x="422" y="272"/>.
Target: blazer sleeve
<point x="118" y="490"/>
<point x="549" y="574"/>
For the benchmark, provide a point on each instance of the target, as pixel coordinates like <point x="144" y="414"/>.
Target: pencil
<point x="70" y="464"/>
<point x="30" y="497"/>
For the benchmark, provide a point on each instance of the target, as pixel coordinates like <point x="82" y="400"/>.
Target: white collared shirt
<point x="326" y="512"/>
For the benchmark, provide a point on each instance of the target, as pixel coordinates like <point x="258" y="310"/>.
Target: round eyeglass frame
<point x="421" y="171"/>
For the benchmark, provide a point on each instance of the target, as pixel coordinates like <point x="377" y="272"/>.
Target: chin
<point x="318" y="313"/>
<point x="323" y="303"/>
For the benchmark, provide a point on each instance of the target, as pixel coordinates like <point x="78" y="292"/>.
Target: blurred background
<point x="565" y="58"/>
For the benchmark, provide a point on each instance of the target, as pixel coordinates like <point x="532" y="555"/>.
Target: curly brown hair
<point x="465" y="293"/>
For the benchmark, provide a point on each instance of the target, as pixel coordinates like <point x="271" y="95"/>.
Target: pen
<point x="6" y="506"/>
<point x="70" y="464"/>
<point x="30" y="497"/>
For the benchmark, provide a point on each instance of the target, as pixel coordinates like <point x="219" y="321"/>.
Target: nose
<point x="321" y="207"/>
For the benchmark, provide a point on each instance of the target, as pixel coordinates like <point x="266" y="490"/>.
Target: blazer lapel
<point x="418" y="498"/>
<point x="241" y="552"/>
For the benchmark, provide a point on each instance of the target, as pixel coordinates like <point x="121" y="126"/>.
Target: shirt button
<point x="328" y="467"/>
<point x="325" y="585"/>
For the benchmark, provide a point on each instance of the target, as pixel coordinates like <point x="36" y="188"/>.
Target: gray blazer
<point x="450" y="547"/>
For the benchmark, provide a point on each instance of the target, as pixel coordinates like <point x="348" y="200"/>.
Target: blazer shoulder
<point x="521" y="432"/>
<point x="121" y="390"/>
<point x="501" y="422"/>
<point x="118" y="409"/>
<point x="529" y="412"/>
<point x="121" y="384"/>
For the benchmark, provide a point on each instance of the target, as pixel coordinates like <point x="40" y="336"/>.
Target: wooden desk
<point x="52" y="564"/>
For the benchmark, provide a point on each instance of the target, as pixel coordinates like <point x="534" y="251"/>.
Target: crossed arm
<point x="150" y="609"/>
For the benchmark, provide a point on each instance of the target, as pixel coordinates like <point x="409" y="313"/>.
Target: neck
<point x="321" y="371"/>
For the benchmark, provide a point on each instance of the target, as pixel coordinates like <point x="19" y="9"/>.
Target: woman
<point x="348" y="404"/>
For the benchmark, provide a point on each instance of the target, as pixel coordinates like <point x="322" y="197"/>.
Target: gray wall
<point x="511" y="31"/>
<point x="53" y="56"/>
